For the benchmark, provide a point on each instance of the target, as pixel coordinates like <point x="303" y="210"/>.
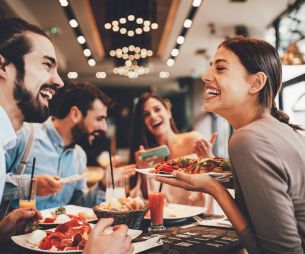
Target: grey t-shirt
<point x="268" y="161"/>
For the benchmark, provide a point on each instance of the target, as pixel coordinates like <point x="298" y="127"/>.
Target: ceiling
<point x="213" y="20"/>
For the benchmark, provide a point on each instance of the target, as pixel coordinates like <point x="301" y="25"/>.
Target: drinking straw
<point x="32" y="175"/>
<point x="161" y="184"/>
<point x="111" y="168"/>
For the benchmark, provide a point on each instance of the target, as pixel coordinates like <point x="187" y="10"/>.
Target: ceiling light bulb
<point x="131" y="57"/>
<point x="175" y="52"/>
<point x="146" y="23"/>
<point x="115" y="23"/>
<point x="63" y="3"/>
<point x="131" y="47"/>
<point x="154" y="26"/>
<point x="130" y="33"/>
<point x="196" y="3"/>
<point x="87" y="52"/>
<point x="137" y="49"/>
<point x="128" y="63"/>
<point x="149" y="53"/>
<point x="131" y="18"/>
<point x="81" y="39"/>
<point x="125" y="49"/>
<point x="72" y="75"/>
<point x="115" y="29"/>
<point x="73" y="23"/>
<point x="187" y="23"/>
<point x="139" y="21"/>
<point x="139" y="30"/>
<point x="107" y="26"/>
<point x="91" y="62"/>
<point x="170" y="62"/>
<point x="115" y="70"/>
<point x="101" y="74"/>
<point x="122" y="20"/>
<point x="180" y="39"/>
<point x="146" y="28"/>
<point x="123" y="30"/>
<point x="164" y="74"/>
<point x="112" y="52"/>
<point x="137" y="56"/>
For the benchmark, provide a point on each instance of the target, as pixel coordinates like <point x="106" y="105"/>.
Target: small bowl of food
<point x="128" y="211"/>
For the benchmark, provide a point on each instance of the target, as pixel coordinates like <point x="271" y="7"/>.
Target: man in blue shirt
<point x="79" y="112"/>
<point x="28" y="80"/>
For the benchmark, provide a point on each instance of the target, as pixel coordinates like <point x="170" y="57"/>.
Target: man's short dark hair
<point x="79" y="94"/>
<point x="14" y="43"/>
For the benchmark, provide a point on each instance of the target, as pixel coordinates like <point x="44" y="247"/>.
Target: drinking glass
<point x="156" y="205"/>
<point x="23" y="188"/>
<point x="119" y="185"/>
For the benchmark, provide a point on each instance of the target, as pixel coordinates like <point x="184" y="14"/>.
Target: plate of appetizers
<point x="65" y="238"/>
<point x="62" y="214"/>
<point x="216" y="167"/>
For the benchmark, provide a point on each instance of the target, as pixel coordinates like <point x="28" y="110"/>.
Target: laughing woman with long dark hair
<point x="266" y="151"/>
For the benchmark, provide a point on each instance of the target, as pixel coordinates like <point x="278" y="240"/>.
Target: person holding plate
<point x="265" y="150"/>
<point x="154" y="126"/>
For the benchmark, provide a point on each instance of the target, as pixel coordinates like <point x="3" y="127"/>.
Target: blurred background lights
<point x="63" y="3"/>
<point x="91" y="62"/>
<point x="180" y="39"/>
<point x="73" y="23"/>
<point x="187" y="23"/>
<point x="164" y="74"/>
<point x="170" y="62"/>
<point x="101" y="74"/>
<point x="81" y="39"/>
<point x="87" y="52"/>
<point x="72" y="75"/>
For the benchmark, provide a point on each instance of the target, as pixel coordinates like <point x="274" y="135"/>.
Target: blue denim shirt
<point x="52" y="158"/>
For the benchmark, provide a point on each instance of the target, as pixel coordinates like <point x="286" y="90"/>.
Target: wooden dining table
<point x="180" y="237"/>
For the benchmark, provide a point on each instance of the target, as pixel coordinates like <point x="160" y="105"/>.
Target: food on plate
<point x="193" y="166"/>
<point x="71" y="235"/>
<point x="36" y="237"/>
<point x="123" y="204"/>
<point x="60" y="216"/>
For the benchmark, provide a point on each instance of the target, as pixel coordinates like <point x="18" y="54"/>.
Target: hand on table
<point x="117" y="242"/>
<point x="16" y="222"/>
<point x="47" y="185"/>
<point x="204" y="148"/>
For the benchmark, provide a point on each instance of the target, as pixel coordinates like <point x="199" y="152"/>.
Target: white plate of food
<point x="178" y="212"/>
<point x="149" y="172"/>
<point x="33" y="240"/>
<point x="59" y="215"/>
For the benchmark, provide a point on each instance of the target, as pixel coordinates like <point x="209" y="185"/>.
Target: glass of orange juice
<point x="156" y="205"/>
<point x="23" y="188"/>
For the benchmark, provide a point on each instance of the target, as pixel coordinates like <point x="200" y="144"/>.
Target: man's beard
<point x="32" y="109"/>
<point x="81" y="136"/>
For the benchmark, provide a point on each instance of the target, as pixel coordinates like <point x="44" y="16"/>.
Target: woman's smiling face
<point x="156" y="117"/>
<point x="226" y="84"/>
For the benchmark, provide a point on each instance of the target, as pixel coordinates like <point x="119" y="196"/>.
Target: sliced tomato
<point x="45" y="244"/>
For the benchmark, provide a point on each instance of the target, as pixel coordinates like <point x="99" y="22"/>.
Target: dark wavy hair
<point x="140" y="134"/>
<point x="14" y="43"/>
<point x="79" y="94"/>
<point x="258" y="55"/>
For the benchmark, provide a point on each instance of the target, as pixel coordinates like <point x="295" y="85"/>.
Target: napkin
<point x="219" y="222"/>
<point x="146" y="245"/>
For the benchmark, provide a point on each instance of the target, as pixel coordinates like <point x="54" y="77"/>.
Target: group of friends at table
<point x="241" y="85"/>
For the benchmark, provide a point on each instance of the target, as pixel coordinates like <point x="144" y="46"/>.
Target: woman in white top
<point x="155" y="126"/>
